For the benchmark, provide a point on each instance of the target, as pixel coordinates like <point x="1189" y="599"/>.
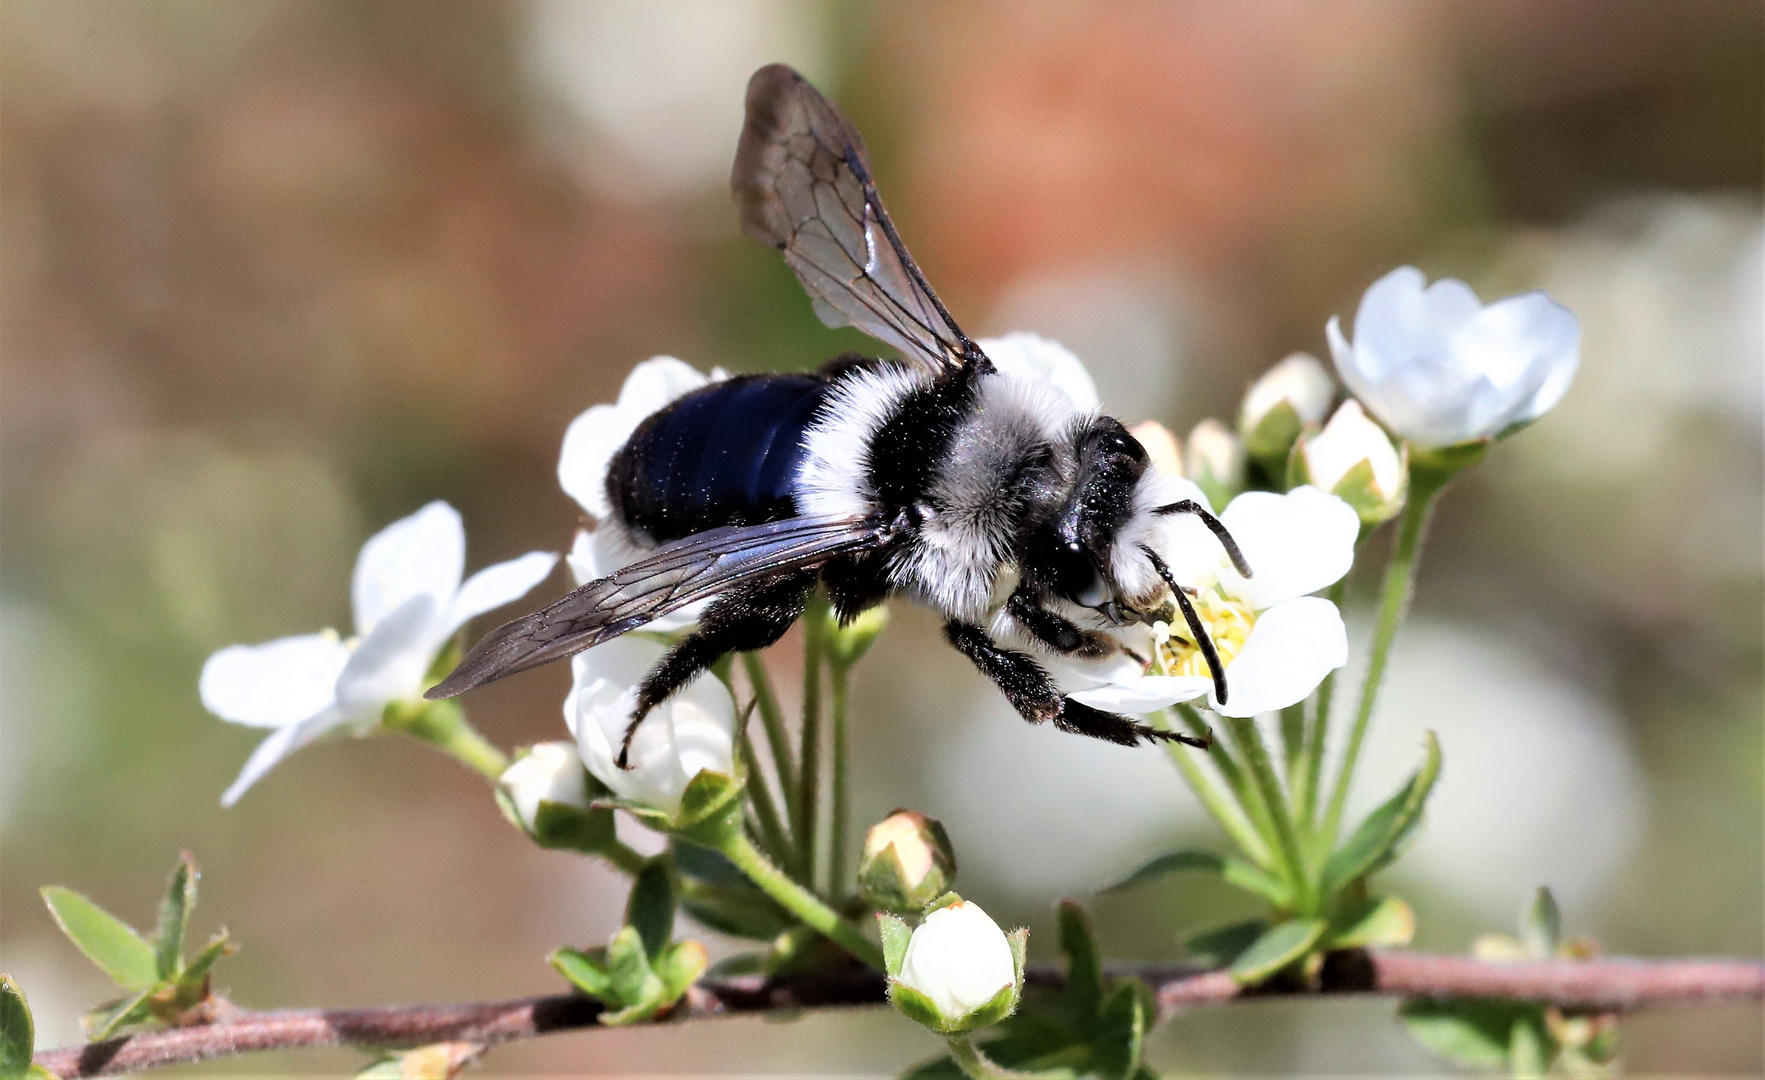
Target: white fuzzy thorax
<point x="834" y="479"/>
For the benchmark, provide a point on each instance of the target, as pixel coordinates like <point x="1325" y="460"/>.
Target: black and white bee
<point x="925" y="477"/>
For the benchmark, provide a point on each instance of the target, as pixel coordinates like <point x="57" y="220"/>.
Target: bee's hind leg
<point x="745" y="618"/>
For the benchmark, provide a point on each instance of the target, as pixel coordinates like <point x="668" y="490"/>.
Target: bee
<point x="925" y="477"/>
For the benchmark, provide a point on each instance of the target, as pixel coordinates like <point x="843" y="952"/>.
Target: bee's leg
<point x="1037" y="699"/>
<point x="1054" y="630"/>
<point x="747" y="617"/>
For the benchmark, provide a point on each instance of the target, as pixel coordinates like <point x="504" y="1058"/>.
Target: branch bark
<point x="1605" y="985"/>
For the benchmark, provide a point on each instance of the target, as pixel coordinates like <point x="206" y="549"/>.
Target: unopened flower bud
<point x="546" y="794"/>
<point x="1161" y="446"/>
<point x="907" y="862"/>
<point x="846" y="645"/>
<point x="1215" y="460"/>
<point x="1289" y="397"/>
<point x="959" y="971"/>
<point x="1353" y="459"/>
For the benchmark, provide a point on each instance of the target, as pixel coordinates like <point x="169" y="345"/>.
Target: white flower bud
<point x="959" y="959"/>
<point x="1161" y="446"/>
<point x="550" y="772"/>
<point x="1281" y="403"/>
<point x="1215" y="460"/>
<point x="907" y="862"/>
<point x="1331" y="460"/>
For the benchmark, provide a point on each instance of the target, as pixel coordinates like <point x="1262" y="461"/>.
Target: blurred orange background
<point x="278" y="273"/>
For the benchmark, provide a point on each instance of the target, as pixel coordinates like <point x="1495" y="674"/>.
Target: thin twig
<point x="1592" y="985"/>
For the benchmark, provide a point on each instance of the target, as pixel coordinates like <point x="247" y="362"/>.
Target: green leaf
<point x="1223" y="944"/>
<point x="1121" y="1031"/>
<point x="1541" y="925"/>
<point x="587" y="971"/>
<point x="633" y="980"/>
<point x="741" y="912"/>
<point x="105" y="939"/>
<point x="1079" y="956"/>
<point x="218" y="946"/>
<point x="1530" y="1049"/>
<point x="174" y="917"/>
<point x="650" y="910"/>
<point x="895" y="934"/>
<point x="106" y="1020"/>
<point x="569" y="828"/>
<point x="1385" y="827"/>
<point x="1281" y="945"/>
<point x="1176" y="862"/>
<point x="1256" y="880"/>
<point x="1473" y="1033"/>
<point x="18" y="1038"/>
<point x="679" y="967"/>
<point x="710" y="806"/>
<point x="1376" y="920"/>
<point x="938" y="1068"/>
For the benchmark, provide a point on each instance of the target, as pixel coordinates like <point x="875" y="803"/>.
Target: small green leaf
<point x="174" y="917"/>
<point x="218" y="946"/>
<point x="1541" y="925"/>
<point x="679" y="967"/>
<point x="1176" y="862"/>
<point x="18" y="1037"/>
<point x="587" y="971"/>
<point x="1121" y="1031"/>
<point x="106" y="1020"/>
<point x="1256" y="880"/>
<point x="895" y="934"/>
<point x="105" y="939"/>
<point x="1378" y="920"/>
<point x="1530" y="1049"/>
<point x="1281" y="945"/>
<point x="1473" y="1033"/>
<point x="1223" y="944"/>
<point x="634" y="981"/>
<point x="1079" y="956"/>
<point x="650" y="910"/>
<point x="1385" y="827"/>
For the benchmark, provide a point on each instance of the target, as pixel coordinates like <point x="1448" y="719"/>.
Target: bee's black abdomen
<point x="725" y="454"/>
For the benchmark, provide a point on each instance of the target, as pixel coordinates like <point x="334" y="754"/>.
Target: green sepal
<point x="174" y="917"/>
<point x="1541" y="925"/>
<point x="1530" y="1048"/>
<point x="1079" y="956"/>
<point x="1281" y="945"/>
<point x="916" y="1007"/>
<point x="650" y="908"/>
<point x="105" y="939"/>
<point x="1374" y="921"/>
<point x="846" y="645"/>
<point x="111" y="1017"/>
<point x="1120" y="1037"/>
<point x="679" y="966"/>
<point x="895" y="934"/>
<point x="1019" y="940"/>
<point x="1269" y="441"/>
<point x="571" y="828"/>
<point x="995" y="1009"/>
<point x="18" y="1035"/>
<point x="586" y="971"/>
<point x="1357" y="487"/>
<point x="710" y="808"/>
<point x="1220" y="945"/>
<point x="941" y="902"/>
<point x="1444" y="461"/>
<point x="1385" y="828"/>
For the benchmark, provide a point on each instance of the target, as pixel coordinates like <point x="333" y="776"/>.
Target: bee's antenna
<point x="1202" y="641"/>
<point x="1190" y="506"/>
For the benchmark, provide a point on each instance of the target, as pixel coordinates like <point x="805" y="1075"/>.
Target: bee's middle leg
<point x="747" y="617"/>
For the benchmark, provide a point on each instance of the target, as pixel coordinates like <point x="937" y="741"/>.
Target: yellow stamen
<point x="1228" y="623"/>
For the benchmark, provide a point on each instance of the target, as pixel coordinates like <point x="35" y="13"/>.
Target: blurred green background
<point x="276" y="273"/>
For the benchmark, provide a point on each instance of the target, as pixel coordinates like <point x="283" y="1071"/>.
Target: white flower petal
<point x="656" y="382"/>
<point x="1295" y="543"/>
<point x="597" y="554"/>
<point x="390" y="662"/>
<point x="494" y="586"/>
<point x="275" y="684"/>
<point x="549" y="772"/>
<point x="589" y="445"/>
<point x="1290" y="649"/>
<point x="281" y="743"/>
<point x="1023" y="355"/>
<point x="1144" y="693"/>
<point x="959" y="958"/>
<point x="421" y="555"/>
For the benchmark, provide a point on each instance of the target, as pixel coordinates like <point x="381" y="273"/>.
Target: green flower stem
<point x="1215" y="801"/>
<point x="839" y="678"/>
<point x="978" y="1066"/>
<point x="1394" y="602"/>
<point x="1262" y="769"/>
<point x="1243" y="789"/>
<point x="772" y="831"/>
<point x="795" y="899"/>
<point x="1306" y="798"/>
<point x="809" y="780"/>
<point x="778" y="741"/>
<point x="443" y="725"/>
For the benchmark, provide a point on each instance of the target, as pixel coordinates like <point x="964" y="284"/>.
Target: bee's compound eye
<point x="1077" y="576"/>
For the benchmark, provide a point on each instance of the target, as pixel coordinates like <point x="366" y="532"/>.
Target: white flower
<point x="1348" y="441"/>
<point x="691" y="731"/>
<point x="1276" y="642"/>
<point x="1299" y="383"/>
<point x="1439" y="368"/>
<point x="1215" y="460"/>
<point x="1031" y="357"/>
<point x="550" y="772"/>
<point x="1160" y="445"/>
<point x="593" y="438"/>
<point x="408" y="601"/>
<point x="959" y="959"/>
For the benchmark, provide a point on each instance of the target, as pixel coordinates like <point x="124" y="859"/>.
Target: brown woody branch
<point x="1592" y="985"/>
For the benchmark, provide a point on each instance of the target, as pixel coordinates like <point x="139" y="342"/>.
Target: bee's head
<point x="1070" y="554"/>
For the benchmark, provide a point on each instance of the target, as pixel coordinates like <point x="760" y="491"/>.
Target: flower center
<point x="1228" y="624"/>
